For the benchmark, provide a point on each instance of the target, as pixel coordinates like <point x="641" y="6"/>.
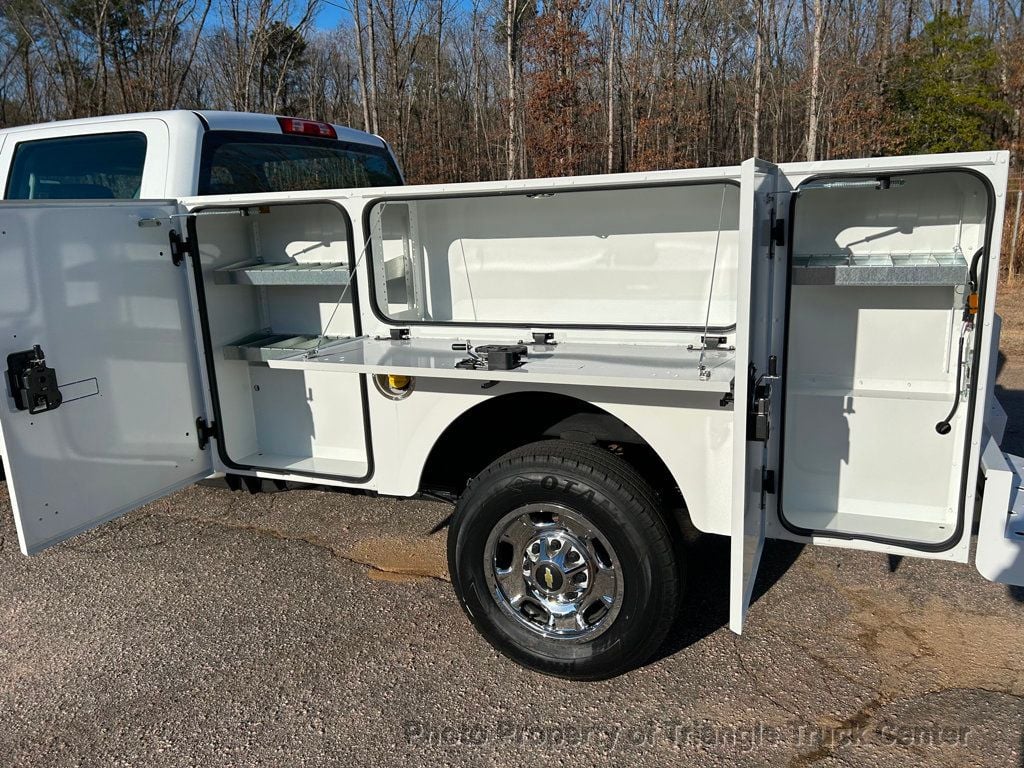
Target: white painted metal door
<point x="758" y="340"/>
<point x="99" y="296"/>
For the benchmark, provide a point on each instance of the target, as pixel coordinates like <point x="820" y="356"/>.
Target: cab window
<point x="91" y="167"/>
<point x="235" y="162"/>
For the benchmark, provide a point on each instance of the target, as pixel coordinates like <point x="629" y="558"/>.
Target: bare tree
<point x="813" y="97"/>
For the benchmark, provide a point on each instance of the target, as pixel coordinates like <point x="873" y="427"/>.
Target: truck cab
<point x="178" y="153"/>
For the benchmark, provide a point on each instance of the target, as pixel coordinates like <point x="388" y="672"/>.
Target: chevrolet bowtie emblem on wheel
<point x="549" y="578"/>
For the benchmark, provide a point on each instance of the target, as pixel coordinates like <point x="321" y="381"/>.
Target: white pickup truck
<point x="803" y="351"/>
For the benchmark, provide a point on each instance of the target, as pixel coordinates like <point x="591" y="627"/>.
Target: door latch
<point x="33" y="385"/>
<point x="759" y="415"/>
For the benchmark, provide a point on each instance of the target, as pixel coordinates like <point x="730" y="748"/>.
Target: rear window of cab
<point x="235" y="162"/>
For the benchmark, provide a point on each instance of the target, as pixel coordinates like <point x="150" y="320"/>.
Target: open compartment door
<point x="102" y="380"/>
<point x="758" y="318"/>
<point x="892" y="268"/>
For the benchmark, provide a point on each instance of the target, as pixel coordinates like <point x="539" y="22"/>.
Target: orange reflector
<point x="398" y="382"/>
<point x="972" y="303"/>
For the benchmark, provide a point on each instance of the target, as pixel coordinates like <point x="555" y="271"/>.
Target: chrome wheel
<point x="551" y="570"/>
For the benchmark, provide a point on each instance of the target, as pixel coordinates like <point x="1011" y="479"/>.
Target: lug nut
<point x="573" y="556"/>
<point x="555" y="545"/>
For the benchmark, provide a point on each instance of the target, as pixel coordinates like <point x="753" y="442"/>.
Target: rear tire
<point x="562" y="561"/>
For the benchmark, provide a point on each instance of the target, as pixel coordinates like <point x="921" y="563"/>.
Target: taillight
<point x="300" y="127"/>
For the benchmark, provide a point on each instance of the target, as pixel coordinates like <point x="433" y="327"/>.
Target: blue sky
<point x="330" y="14"/>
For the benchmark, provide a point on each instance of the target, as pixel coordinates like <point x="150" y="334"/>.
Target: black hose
<point x="973" y="274"/>
<point x="944" y="427"/>
<point x="972" y="285"/>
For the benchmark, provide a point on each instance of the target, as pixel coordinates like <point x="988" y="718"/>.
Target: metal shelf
<point x="631" y="366"/>
<point x="866" y="269"/>
<point x="282" y="273"/>
<point x="265" y="345"/>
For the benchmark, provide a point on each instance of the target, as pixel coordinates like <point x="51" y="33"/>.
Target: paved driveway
<point x="315" y="628"/>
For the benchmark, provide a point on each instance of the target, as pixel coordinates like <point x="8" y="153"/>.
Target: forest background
<point x="469" y="90"/>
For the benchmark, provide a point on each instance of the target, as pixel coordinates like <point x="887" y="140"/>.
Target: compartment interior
<point x="623" y="257"/>
<point x="878" y="282"/>
<point x="273" y="276"/>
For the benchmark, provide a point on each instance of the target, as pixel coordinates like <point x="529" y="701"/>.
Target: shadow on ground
<point x="706" y="605"/>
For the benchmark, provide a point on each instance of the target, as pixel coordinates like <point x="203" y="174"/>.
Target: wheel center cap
<point x="549" y="577"/>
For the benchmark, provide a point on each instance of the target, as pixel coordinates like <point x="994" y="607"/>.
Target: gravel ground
<point x="310" y="628"/>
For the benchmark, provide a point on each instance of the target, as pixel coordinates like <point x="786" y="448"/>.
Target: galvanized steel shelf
<point x="265" y="345"/>
<point x="906" y="269"/>
<point x="282" y="273"/>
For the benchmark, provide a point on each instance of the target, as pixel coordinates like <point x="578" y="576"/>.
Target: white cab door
<point x="93" y="287"/>
<point x="758" y="339"/>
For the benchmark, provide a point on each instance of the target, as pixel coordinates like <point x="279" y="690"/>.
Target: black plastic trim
<point x="208" y="356"/>
<point x="958" y="532"/>
<point x="372" y="293"/>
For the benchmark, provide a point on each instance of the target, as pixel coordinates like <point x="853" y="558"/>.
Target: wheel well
<point x="501" y="424"/>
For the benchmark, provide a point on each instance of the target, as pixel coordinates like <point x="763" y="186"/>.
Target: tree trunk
<point x="613" y="24"/>
<point x="363" y="92"/>
<point x="755" y="129"/>
<point x="374" y="115"/>
<point x="1013" y="241"/>
<point x="438" y="135"/>
<point x="815" y="75"/>
<point x="512" y="70"/>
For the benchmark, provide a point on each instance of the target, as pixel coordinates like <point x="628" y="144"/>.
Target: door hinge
<point x="204" y="431"/>
<point x="767" y="485"/>
<point x="179" y="247"/>
<point x="778" y="231"/>
<point x="729" y="397"/>
<point x="33" y="386"/>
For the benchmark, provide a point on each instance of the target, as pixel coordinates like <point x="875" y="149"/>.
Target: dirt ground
<point x="311" y="628"/>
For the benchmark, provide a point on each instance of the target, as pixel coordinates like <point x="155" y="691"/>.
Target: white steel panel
<point x="754" y="344"/>
<point x="690" y="431"/>
<point x="101" y="297"/>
